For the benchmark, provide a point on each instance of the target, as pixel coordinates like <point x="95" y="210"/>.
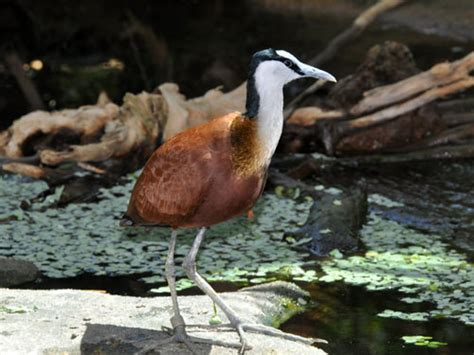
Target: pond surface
<point x="434" y="198"/>
<point x="429" y="203"/>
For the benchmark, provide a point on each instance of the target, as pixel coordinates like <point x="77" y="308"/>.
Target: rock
<point x="75" y="322"/>
<point x="334" y="222"/>
<point x="15" y="272"/>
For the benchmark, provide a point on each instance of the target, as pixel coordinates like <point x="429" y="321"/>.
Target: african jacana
<point x="216" y="171"/>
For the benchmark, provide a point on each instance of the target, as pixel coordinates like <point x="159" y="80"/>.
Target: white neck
<point x="270" y="110"/>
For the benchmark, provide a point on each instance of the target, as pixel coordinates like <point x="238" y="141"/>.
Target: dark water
<point x="437" y="196"/>
<point x="347" y="317"/>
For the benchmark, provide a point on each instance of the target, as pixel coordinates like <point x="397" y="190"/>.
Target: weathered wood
<point x="86" y="121"/>
<point x="439" y="75"/>
<point x="107" y="131"/>
<point x="307" y="116"/>
<point x="346" y="127"/>
<point x="357" y="27"/>
<point x="394" y="123"/>
<point x="457" y="135"/>
<point x="35" y="172"/>
<point x="134" y="127"/>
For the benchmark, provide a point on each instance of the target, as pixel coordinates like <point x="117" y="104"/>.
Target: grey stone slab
<point x="85" y="322"/>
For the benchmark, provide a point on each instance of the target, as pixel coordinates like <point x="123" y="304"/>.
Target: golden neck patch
<point x="246" y="148"/>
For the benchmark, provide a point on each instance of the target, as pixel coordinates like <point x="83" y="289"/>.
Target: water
<point x="346" y="317"/>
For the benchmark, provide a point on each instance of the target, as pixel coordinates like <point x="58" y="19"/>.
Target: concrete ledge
<point x="75" y="322"/>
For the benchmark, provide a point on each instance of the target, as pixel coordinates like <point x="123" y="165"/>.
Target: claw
<point x="187" y="340"/>
<point x="243" y="340"/>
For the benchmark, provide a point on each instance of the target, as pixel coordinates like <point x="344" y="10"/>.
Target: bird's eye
<point x="288" y="63"/>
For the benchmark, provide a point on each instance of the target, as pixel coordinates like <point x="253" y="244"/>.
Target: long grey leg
<point x="177" y="320"/>
<point x="190" y="267"/>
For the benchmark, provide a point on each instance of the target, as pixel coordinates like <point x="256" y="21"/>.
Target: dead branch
<point x="132" y="128"/>
<point x="397" y="106"/>
<point x="456" y="119"/>
<point x="358" y="26"/>
<point x="86" y="121"/>
<point x="457" y="135"/>
<point x="33" y="171"/>
<point x="392" y="112"/>
<point x="463" y="151"/>
<point x="135" y="126"/>
<point x="15" y="66"/>
<point x="310" y="90"/>
<point x="307" y="116"/>
<point x="189" y="113"/>
<point x="303" y="166"/>
<point x="91" y="168"/>
<point x="439" y="75"/>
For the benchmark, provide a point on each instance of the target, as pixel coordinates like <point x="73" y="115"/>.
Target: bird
<point x="216" y="171"/>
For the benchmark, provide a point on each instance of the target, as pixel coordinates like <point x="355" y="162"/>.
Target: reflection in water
<point x="346" y="317"/>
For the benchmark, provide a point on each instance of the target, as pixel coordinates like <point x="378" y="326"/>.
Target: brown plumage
<point x="211" y="173"/>
<point x="202" y="176"/>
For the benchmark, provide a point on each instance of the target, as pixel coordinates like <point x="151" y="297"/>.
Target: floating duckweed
<point x="85" y="238"/>
<point x="383" y="201"/>
<point x="398" y="258"/>
<point x="422" y="340"/>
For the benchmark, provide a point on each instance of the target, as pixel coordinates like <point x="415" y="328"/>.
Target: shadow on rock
<point x="112" y="339"/>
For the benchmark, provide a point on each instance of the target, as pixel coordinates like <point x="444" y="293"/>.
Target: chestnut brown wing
<point x="177" y="177"/>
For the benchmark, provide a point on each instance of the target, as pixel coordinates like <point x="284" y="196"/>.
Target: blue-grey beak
<point x="313" y="72"/>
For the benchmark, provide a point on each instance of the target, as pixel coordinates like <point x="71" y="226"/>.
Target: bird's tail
<point x="127" y="221"/>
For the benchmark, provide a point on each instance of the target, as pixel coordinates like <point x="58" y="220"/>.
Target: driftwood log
<point x="364" y="123"/>
<point x="106" y="131"/>
<point x="361" y="22"/>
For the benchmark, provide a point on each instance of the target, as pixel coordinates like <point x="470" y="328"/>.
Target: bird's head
<point x="283" y="67"/>
<point x="269" y="71"/>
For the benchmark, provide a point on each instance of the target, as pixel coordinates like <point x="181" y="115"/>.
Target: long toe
<point x="188" y="340"/>
<point x="263" y="329"/>
<point x="243" y="339"/>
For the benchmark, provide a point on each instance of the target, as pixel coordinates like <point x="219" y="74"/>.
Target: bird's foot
<point x="178" y="334"/>
<point x="264" y="329"/>
<point x="242" y="327"/>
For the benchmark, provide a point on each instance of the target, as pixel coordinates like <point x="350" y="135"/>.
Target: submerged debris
<point x="334" y="222"/>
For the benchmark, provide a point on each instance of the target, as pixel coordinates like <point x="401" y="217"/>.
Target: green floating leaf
<point x="335" y="253"/>
<point x="422" y="340"/>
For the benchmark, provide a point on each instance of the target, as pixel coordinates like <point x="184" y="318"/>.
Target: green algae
<point x="423" y="340"/>
<point x="85" y="238"/>
<point x="419" y="265"/>
<point x="289" y="308"/>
